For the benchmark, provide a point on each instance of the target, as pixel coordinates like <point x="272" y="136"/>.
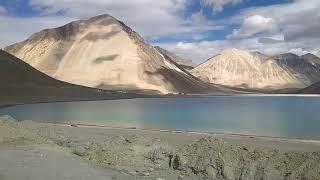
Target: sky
<point x="193" y="29"/>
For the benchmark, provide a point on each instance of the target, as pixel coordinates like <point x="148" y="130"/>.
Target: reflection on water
<point x="294" y="117"/>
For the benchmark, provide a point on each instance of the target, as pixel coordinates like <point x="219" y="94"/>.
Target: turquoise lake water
<point x="292" y="117"/>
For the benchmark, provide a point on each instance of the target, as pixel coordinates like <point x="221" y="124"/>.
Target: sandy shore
<point x="183" y="137"/>
<point x="127" y="153"/>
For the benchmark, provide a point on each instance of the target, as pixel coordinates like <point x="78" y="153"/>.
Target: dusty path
<point x="39" y="163"/>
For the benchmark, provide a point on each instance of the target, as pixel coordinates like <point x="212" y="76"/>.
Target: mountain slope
<point x="103" y="52"/>
<point x="21" y="83"/>
<point x="186" y="64"/>
<point x="313" y="89"/>
<point x="299" y="67"/>
<point x="311" y="58"/>
<point x="237" y="68"/>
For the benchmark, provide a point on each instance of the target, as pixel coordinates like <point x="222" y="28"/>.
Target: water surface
<point x="292" y="117"/>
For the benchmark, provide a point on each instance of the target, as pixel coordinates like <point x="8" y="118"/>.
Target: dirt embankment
<point x="158" y="156"/>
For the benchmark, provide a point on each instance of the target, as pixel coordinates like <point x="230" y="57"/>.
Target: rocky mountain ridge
<point x="102" y="52"/>
<point x="313" y="59"/>
<point x="299" y="67"/>
<point x="184" y="63"/>
<point x="254" y="70"/>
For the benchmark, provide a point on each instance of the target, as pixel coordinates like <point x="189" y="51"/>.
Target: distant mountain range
<point x="238" y="68"/>
<point x="102" y="52"/>
<point x="301" y="68"/>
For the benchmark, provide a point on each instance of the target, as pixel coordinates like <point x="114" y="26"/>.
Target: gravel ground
<point x="146" y="154"/>
<point x="38" y="163"/>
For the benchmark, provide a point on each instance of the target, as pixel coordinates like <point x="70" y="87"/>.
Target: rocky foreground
<point x="137" y="154"/>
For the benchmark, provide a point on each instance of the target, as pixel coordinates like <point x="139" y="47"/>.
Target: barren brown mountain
<point x="238" y="68"/>
<point x="102" y="52"/>
<point x="21" y="83"/>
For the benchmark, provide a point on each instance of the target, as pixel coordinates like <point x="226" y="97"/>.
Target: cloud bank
<point x="218" y="5"/>
<point x="290" y="27"/>
<point x="293" y="26"/>
<point x="152" y="19"/>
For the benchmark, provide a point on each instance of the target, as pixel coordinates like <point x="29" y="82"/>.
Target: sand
<point x="149" y="154"/>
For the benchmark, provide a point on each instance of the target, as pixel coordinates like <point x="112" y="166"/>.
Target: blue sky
<point x="194" y="29"/>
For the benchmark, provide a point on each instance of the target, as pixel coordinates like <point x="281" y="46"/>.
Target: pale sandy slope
<point x="234" y="67"/>
<point x="21" y="83"/>
<point x="105" y="53"/>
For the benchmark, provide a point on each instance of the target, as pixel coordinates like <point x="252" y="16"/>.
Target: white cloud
<point x="297" y="20"/>
<point x="253" y="25"/>
<point x="280" y="28"/>
<point x="152" y="19"/>
<point x="200" y="51"/>
<point x="218" y="5"/>
<point x="149" y="18"/>
<point x="3" y="10"/>
<point x="199" y="18"/>
<point x="15" y="29"/>
<point x="301" y="51"/>
<point x="289" y="27"/>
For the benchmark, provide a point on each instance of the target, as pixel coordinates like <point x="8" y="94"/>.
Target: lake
<point x="278" y="116"/>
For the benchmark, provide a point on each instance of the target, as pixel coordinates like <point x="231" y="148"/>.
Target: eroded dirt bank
<point x="141" y="154"/>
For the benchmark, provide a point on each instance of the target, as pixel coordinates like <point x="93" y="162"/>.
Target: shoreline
<point x="73" y="100"/>
<point x="183" y="131"/>
<point x="155" y="96"/>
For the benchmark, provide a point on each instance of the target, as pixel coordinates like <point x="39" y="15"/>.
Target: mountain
<point x="238" y="68"/>
<point x="184" y="63"/>
<point x="311" y="58"/>
<point x="313" y="89"/>
<point x="21" y="83"/>
<point x="299" y="67"/>
<point x="102" y="52"/>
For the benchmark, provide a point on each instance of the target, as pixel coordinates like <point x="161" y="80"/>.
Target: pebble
<point x="146" y="174"/>
<point x="133" y="173"/>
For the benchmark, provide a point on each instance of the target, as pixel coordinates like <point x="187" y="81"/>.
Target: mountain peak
<point x="310" y="55"/>
<point x="263" y="57"/>
<point x="72" y="29"/>
<point x="313" y="59"/>
<point x="288" y="56"/>
<point x="100" y="17"/>
<point x="103" y="52"/>
<point x="239" y="68"/>
<point x="232" y="50"/>
<point x="235" y="54"/>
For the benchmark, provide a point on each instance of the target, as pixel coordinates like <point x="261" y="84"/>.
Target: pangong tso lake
<point x="276" y="116"/>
